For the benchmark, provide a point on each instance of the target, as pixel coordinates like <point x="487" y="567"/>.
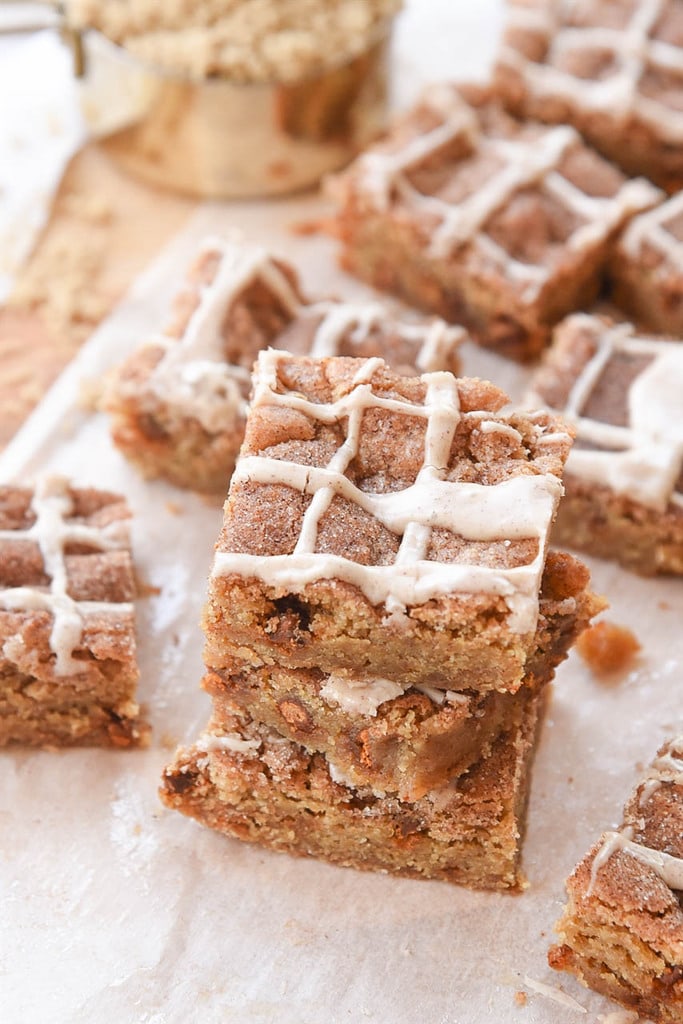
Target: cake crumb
<point x="173" y="508"/>
<point x="607" y="647"/>
<point x="521" y="998"/>
<point x="90" y="393"/>
<point x="313" y="226"/>
<point x="145" y="589"/>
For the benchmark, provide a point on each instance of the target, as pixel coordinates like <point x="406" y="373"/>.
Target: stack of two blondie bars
<point x="383" y="617"/>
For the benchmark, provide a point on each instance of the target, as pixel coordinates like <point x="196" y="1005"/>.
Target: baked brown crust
<point x="624" y="478"/>
<point x="269" y="791"/>
<point x="613" y="70"/>
<point x="622" y="929"/>
<point x="83" y="692"/>
<point x="502" y="226"/>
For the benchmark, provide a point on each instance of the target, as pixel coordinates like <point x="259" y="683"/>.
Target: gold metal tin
<point x="215" y="138"/>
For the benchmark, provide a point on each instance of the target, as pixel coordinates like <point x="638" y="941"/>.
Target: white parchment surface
<point x="117" y="910"/>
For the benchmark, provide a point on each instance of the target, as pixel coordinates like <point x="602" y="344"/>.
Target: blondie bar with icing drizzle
<point x="647" y="268"/>
<point x="621" y="390"/>
<point x="622" y="930"/>
<point x="499" y="225"/>
<point x="178" y="404"/>
<point x="390" y="525"/>
<point x="67" y="628"/>
<point x="613" y="70"/>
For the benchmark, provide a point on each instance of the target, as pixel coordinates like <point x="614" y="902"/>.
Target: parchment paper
<point x="116" y="910"/>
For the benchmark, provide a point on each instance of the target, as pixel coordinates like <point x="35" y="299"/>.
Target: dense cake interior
<point x="246" y="781"/>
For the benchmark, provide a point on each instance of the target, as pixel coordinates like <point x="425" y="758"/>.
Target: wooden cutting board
<point x="105" y="227"/>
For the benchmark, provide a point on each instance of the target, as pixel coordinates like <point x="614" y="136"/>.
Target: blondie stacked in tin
<point x="382" y="619"/>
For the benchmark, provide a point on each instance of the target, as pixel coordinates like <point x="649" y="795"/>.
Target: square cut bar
<point x="502" y="226"/>
<point x="178" y="403"/>
<point x="647" y="268"/>
<point x="246" y="781"/>
<point x="392" y="739"/>
<point x="393" y="527"/>
<point x="622" y="929"/>
<point x="614" y="70"/>
<point x="68" y="669"/>
<point x="624" y="476"/>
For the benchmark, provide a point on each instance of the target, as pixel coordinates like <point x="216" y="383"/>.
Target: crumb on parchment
<point x="608" y="647"/>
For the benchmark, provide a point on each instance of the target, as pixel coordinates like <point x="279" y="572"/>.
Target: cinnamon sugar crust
<point x="613" y="70"/>
<point x="178" y="404"/>
<point x="68" y="669"/>
<point x="389" y="526"/>
<point x="624" y="479"/>
<point x="248" y="782"/>
<point x="622" y="929"/>
<point x="647" y="268"/>
<point x="500" y="225"/>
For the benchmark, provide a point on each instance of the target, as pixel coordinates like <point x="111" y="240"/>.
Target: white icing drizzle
<point x="382" y="170"/>
<point x="651" y="229"/>
<point x="524" y="162"/>
<point x="359" y="696"/>
<point x="667" y="767"/>
<point x="192" y="374"/>
<point x="633" y="51"/>
<point x="666" y="867"/>
<point x="521" y="507"/>
<point x="53" y="533"/>
<point x="210" y="743"/>
<point x="642" y="460"/>
<point x="442" y="696"/>
<point x="340" y="777"/>
<point x="522" y="165"/>
<point x="364" y="695"/>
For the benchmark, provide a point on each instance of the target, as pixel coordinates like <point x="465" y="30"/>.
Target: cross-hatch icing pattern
<point x="53" y="531"/>
<point x="631" y="51"/>
<point x="193" y="373"/>
<point x="524" y="162"/>
<point x="651" y="229"/>
<point x="667" y="768"/>
<point x="521" y="507"/>
<point x="644" y="459"/>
